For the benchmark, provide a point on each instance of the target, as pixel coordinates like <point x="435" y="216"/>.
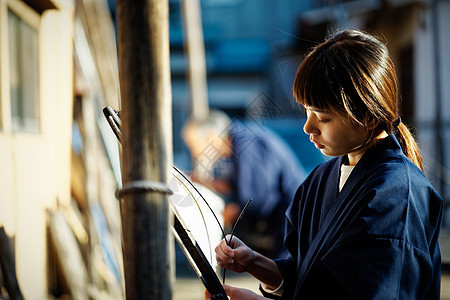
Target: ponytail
<point x="409" y="144"/>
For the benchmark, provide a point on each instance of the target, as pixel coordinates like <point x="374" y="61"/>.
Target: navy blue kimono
<point x="376" y="239"/>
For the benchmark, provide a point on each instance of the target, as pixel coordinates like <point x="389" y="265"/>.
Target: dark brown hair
<point x="351" y="73"/>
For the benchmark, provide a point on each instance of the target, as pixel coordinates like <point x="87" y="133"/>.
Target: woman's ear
<point x="372" y="124"/>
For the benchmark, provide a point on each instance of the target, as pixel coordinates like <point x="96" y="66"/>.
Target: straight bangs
<point x="314" y="88"/>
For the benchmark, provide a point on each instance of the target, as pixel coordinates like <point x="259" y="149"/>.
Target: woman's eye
<point x="323" y="120"/>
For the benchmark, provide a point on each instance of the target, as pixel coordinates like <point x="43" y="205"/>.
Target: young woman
<point x="365" y="224"/>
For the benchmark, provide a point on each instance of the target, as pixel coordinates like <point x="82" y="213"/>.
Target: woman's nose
<point x="309" y="127"/>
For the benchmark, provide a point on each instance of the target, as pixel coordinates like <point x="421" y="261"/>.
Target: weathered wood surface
<point x="144" y="65"/>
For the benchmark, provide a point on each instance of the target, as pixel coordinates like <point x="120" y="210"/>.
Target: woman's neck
<point x="354" y="157"/>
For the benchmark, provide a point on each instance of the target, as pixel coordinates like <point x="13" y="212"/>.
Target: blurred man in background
<point x="242" y="161"/>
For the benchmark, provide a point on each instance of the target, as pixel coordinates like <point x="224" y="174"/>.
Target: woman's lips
<point x="317" y="145"/>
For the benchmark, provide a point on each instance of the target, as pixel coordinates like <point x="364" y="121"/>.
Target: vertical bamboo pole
<point x="195" y="50"/>
<point x="144" y="72"/>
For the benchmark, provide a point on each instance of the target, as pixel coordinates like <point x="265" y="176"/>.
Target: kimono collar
<point x="372" y="156"/>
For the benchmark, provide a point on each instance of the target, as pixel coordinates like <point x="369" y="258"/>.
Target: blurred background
<point x="59" y="218"/>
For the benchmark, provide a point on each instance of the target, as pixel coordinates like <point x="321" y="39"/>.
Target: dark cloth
<point x="262" y="167"/>
<point x="376" y="239"/>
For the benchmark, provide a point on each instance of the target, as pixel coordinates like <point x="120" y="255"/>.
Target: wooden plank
<point x="100" y="33"/>
<point x="68" y="256"/>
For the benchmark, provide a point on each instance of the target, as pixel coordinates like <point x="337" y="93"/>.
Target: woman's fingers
<point x="224" y="254"/>
<point x="235" y="255"/>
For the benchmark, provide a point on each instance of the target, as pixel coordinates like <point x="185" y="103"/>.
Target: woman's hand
<point x="236" y="256"/>
<point x="237" y="293"/>
<point x="239" y="258"/>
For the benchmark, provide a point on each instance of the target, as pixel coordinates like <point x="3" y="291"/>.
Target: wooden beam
<point x="195" y="51"/>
